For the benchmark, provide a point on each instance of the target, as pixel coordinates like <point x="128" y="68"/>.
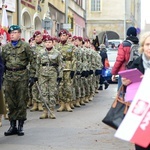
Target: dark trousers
<point x="102" y="80"/>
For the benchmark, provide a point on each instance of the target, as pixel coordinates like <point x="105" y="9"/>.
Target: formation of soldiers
<point x="67" y="73"/>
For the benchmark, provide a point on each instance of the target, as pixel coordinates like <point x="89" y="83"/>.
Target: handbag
<point x="118" y="110"/>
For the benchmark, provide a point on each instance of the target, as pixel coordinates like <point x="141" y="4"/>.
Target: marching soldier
<point x="32" y="46"/>
<point x="49" y="72"/>
<point x="69" y="61"/>
<point x="37" y="104"/>
<point x="16" y="56"/>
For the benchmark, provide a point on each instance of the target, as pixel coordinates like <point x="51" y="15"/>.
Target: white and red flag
<point x="4" y="26"/>
<point x="136" y="125"/>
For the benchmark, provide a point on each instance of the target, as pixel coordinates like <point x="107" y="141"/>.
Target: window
<point x="95" y="5"/>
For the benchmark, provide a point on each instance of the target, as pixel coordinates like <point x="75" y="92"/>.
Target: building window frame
<point x="95" y="5"/>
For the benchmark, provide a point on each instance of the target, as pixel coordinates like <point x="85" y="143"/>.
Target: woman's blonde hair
<point x="143" y="37"/>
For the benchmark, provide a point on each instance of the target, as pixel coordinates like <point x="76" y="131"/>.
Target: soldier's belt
<point x="46" y="64"/>
<point x="66" y="59"/>
<point x="15" y="69"/>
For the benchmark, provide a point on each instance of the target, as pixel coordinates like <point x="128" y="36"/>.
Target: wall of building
<point x="114" y="16"/>
<point x="76" y="15"/>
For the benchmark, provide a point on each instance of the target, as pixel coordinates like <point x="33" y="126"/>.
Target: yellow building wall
<point x="58" y="4"/>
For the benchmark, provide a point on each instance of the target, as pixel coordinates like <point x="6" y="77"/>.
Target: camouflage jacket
<point x="16" y="60"/>
<point x="49" y="62"/>
<point x="69" y="57"/>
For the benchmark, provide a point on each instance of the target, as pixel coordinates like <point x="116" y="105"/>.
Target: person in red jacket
<point x="124" y="53"/>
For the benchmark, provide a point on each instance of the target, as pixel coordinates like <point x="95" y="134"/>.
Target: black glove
<point x="83" y="73"/>
<point x="91" y="72"/>
<point x="32" y="80"/>
<point x="35" y="79"/>
<point x="59" y="80"/>
<point x="78" y="73"/>
<point x="97" y="72"/>
<point x="71" y="74"/>
<point x="86" y="74"/>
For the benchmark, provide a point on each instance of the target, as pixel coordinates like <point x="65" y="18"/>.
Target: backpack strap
<point x="127" y="43"/>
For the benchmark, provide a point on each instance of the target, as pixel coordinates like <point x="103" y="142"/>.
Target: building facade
<point x="116" y="16"/>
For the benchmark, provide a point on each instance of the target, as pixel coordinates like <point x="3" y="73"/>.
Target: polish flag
<point x="135" y="127"/>
<point x="4" y="26"/>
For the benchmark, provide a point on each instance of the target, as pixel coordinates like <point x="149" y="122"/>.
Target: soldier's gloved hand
<point x="83" y="73"/>
<point x="91" y="72"/>
<point x="71" y="74"/>
<point x="35" y="79"/>
<point x="97" y="72"/>
<point x="31" y="81"/>
<point x="86" y="74"/>
<point x="78" y="73"/>
<point x="59" y="80"/>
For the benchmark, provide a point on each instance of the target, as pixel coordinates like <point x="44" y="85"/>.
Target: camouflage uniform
<point x="69" y="61"/>
<point x="49" y="68"/>
<point x="37" y="105"/>
<point x="16" y="60"/>
<point x="98" y="67"/>
<point x="77" y="79"/>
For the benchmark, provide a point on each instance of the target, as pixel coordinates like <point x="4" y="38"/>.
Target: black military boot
<point x="20" y="128"/>
<point x="12" y="130"/>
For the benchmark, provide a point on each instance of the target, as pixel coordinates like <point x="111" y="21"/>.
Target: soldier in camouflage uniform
<point x="56" y="42"/>
<point x="37" y="104"/>
<point x="32" y="46"/>
<point x="98" y="69"/>
<point x="49" y="71"/>
<point x="16" y="56"/>
<point x="69" y="61"/>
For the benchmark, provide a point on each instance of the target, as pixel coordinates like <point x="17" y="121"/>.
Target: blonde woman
<point x="142" y="63"/>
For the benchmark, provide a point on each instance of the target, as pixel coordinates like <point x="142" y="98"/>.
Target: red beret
<point x="69" y="34"/>
<point x="31" y="39"/>
<point x="74" y="37"/>
<point x="80" y="38"/>
<point x="36" y="33"/>
<point x="55" y="39"/>
<point x="63" y="32"/>
<point x="44" y="36"/>
<point x="23" y="39"/>
<point x="86" y="40"/>
<point x="48" y="38"/>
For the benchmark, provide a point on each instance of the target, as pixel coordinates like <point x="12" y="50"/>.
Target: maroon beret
<point x="74" y="37"/>
<point x="86" y="40"/>
<point x="36" y="33"/>
<point x="69" y="35"/>
<point x="31" y="39"/>
<point x="63" y="32"/>
<point x="55" y="39"/>
<point x="48" y="38"/>
<point x="80" y="38"/>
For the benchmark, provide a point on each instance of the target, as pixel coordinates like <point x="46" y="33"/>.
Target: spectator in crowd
<point x="141" y="63"/>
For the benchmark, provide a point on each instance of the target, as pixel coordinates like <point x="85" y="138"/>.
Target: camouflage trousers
<point x="35" y="94"/>
<point x="66" y="88"/>
<point x="86" y="86"/>
<point x="76" y="87"/>
<point x="48" y="89"/>
<point x="91" y="85"/>
<point x="16" y="95"/>
<point x="82" y="86"/>
<point x="97" y="81"/>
